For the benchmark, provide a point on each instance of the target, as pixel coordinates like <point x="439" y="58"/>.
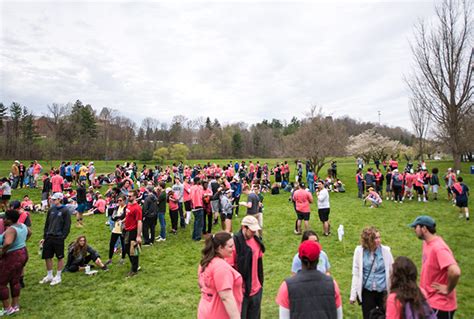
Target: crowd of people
<point x="409" y="183"/>
<point x="230" y="275"/>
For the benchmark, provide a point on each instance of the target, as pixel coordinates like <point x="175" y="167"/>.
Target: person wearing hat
<point x="247" y="259"/>
<point x="439" y="270"/>
<point x="56" y="229"/>
<point x="309" y="293"/>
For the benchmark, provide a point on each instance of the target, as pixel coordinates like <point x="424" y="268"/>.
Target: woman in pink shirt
<point x="220" y="284"/>
<point x="405" y="296"/>
<point x="172" y="200"/>
<point x="99" y="206"/>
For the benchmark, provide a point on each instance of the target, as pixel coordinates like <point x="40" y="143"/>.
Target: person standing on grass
<point x="187" y="199"/>
<point x="178" y="190"/>
<point x="197" y="208"/>
<point x="150" y="216"/>
<point x="15" y="173"/>
<point x="133" y="231"/>
<point x="324" y="207"/>
<point x="220" y="284"/>
<point x="252" y="204"/>
<point x="371" y="269"/>
<point x="434" y="182"/>
<point x="323" y="264"/>
<point x="56" y="230"/>
<point x="13" y="258"/>
<point x="303" y="199"/>
<point x="461" y="193"/>
<point x="360" y="183"/>
<point x="236" y="187"/>
<point x="247" y="259"/>
<point x="117" y="218"/>
<point x="172" y="200"/>
<point x="6" y="191"/>
<point x="309" y="293"/>
<point x="227" y="208"/>
<point x="161" y="210"/>
<point x="397" y="186"/>
<point x="440" y="272"/>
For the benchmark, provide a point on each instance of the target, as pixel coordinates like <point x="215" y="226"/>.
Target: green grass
<point x="167" y="285"/>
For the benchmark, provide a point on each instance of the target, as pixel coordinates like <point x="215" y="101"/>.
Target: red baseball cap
<point x="309" y="249"/>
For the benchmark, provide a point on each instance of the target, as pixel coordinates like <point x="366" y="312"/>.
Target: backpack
<point x="428" y="312"/>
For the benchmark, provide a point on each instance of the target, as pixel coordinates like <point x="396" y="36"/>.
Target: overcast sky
<point x="237" y="61"/>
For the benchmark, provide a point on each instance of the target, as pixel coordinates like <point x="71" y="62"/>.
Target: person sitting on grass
<point x="374" y="198"/>
<point x="98" y="207"/>
<point x="80" y="254"/>
<point x="27" y="204"/>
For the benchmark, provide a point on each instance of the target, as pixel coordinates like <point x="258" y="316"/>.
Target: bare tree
<point x="441" y="79"/>
<point x="318" y="139"/>
<point x="420" y="120"/>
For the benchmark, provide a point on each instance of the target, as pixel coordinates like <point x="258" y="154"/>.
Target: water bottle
<point x="88" y="269"/>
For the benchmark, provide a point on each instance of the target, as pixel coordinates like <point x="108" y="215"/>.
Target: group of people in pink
<point x="231" y="271"/>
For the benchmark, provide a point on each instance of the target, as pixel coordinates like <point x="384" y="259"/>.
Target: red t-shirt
<point x="186" y="192"/>
<point x="134" y="214"/>
<point x="218" y="276"/>
<point x="172" y="201"/>
<point x="437" y="257"/>
<point x="283" y="299"/>
<point x="302" y="199"/>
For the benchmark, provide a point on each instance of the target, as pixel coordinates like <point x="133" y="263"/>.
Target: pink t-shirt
<point x="186" y="192"/>
<point x="56" y="182"/>
<point x="100" y="205"/>
<point x="196" y="196"/>
<point x="302" y="199"/>
<point x="437" y="257"/>
<point x="218" y="276"/>
<point x="283" y="300"/>
<point x="256" y="254"/>
<point x="394" y="308"/>
<point x="172" y="201"/>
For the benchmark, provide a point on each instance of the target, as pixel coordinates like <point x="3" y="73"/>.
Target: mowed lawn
<point x="166" y="287"/>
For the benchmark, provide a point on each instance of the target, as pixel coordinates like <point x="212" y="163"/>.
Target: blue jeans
<point x="197" y="230"/>
<point x="311" y="187"/>
<point x="161" y="218"/>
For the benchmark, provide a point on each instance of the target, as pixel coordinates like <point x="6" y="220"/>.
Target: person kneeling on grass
<point x="80" y="254"/>
<point x="374" y="198"/>
<point x="98" y="207"/>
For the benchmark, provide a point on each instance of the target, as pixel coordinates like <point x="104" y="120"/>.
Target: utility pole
<point x="379" y="118"/>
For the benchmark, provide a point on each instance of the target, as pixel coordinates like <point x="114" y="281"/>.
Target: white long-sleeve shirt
<point x="323" y="199"/>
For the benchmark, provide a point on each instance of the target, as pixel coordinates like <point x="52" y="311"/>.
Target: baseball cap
<point x="15" y="204"/>
<point x="57" y="196"/>
<point x="251" y="222"/>
<point x="423" y="220"/>
<point x="309" y="249"/>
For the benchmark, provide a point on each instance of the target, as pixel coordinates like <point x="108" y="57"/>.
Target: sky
<point x="235" y="61"/>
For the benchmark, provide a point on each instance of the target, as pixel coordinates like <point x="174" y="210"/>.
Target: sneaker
<point x="105" y="268"/>
<point x="158" y="238"/>
<point x="121" y="261"/>
<point x="109" y="262"/>
<point x="296" y="232"/>
<point x="139" y="268"/>
<point x="9" y="311"/>
<point x="46" y="280"/>
<point x="161" y="239"/>
<point x="56" y="281"/>
<point x="131" y="274"/>
<point x="147" y="244"/>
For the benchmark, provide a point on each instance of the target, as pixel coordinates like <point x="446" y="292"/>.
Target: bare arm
<point x="139" y="232"/>
<point x="454" y="272"/>
<point x="230" y="305"/>
<point x="9" y="237"/>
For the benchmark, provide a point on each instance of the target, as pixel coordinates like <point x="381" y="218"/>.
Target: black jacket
<point x="150" y="206"/>
<point x="58" y="222"/>
<point x="243" y="262"/>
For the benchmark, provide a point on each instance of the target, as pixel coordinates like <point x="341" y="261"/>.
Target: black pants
<point x="371" y="300"/>
<point x="129" y="236"/>
<point x="444" y="314"/>
<point x="207" y="219"/>
<point x="149" y="225"/>
<point x="174" y="219"/>
<point x="181" y="215"/>
<point x="251" y="306"/>
<point x="74" y="267"/>
<point x="398" y="193"/>
<point x="235" y="201"/>
<point x="113" y="239"/>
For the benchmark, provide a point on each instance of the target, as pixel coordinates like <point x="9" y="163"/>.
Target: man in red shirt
<point x="57" y="182"/>
<point x="133" y="231"/>
<point x="439" y="270"/>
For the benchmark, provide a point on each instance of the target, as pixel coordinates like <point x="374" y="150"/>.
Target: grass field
<point x="166" y="287"/>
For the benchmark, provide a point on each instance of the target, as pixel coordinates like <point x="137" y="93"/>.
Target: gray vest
<point x="311" y="295"/>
